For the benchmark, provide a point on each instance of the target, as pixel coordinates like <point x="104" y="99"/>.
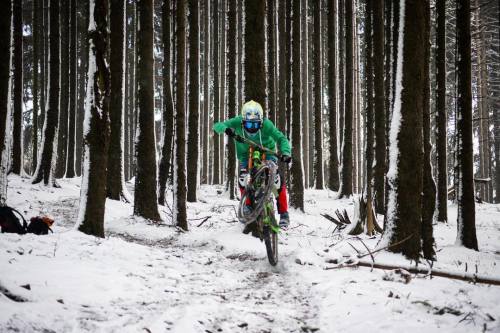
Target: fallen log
<point x="469" y="277"/>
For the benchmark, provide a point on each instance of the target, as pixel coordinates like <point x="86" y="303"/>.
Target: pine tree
<point x="115" y="178"/>
<point x="194" y="100"/>
<point x="96" y="131"/>
<point x="429" y="186"/>
<point x="441" y="133"/>
<point x="206" y="126"/>
<point x="83" y="68"/>
<point x="168" y="107"/>
<point x="5" y="86"/>
<point x="369" y="100"/>
<point x="17" y="130"/>
<point x="73" y="98"/>
<point x="466" y="224"/>
<point x="255" y="71"/>
<point x="180" y="218"/>
<point x="44" y="168"/>
<point x="347" y="163"/>
<point x="145" y="199"/>
<point x="379" y="104"/>
<point x="333" y="175"/>
<point x="270" y="59"/>
<point x="62" y="129"/>
<point x="216" y="139"/>
<point x="37" y="28"/>
<point x="318" y="103"/>
<point x="231" y="94"/>
<point x="405" y="177"/>
<point x="282" y="75"/>
<point x="296" y="172"/>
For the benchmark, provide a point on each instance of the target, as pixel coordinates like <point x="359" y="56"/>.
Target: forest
<point x="110" y="113"/>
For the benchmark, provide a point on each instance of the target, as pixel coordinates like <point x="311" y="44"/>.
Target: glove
<point x="286" y="158"/>
<point x="230" y="132"/>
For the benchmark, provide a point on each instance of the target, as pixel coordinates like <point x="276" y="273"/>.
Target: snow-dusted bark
<point x="96" y="125"/>
<point x="17" y="129"/>
<point x="179" y="209"/>
<point x="6" y="34"/>
<point x="405" y="175"/>
<point x="48" y="153"/>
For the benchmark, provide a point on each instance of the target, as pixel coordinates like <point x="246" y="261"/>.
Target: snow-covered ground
<point x="154" y="278"/>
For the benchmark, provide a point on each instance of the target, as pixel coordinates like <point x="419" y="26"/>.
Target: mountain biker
<point x="252" y="125"/>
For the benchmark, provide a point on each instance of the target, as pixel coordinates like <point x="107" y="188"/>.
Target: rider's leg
<point x="243" y="173"/>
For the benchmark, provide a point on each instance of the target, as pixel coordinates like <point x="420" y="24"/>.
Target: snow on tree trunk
<point x="168" y="107"/>
<point x="6" y="35"/>
<point x="231" y="94"/>
<point x="179" y="209"/>
<point x="405" y="176"/>
<point x="318" y="103"/>
<point x="96" y="125"/>
<point x="70" y="165"/>
<point x="45" y="166"/>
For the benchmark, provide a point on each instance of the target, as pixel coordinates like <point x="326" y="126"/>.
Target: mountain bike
<point x="260" y="192"/>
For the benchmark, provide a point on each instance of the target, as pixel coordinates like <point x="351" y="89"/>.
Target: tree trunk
<point x="62" y="132"/>
<point x="305" y="91"/>
<point x="5" y="87"/>
<point x="168" y="107"/>
<point x="342" y="82"/>
<point x="466" y="223"/>
<point x="44" y="168"/>
<point x="232" y="95"/>
<point x="380" y="117"/>
<point x="404" y="210"/>
<point x="271" y="114"/>
<point x="180" y="217"/>
<point x="369" y="100"/>
<point x="333" y="175"/>
<point x="497" y="132"/>
<point x="17" y="130"/>
<point x="296" y="172"/>
<point x="194" y="104"/>
<point x="216" y="137"/>
<point x="222" y="87"/>
<point x="429" y="187"/>
<point x="318" y="103"/>
<point x="255" y="71"/>
<point x="115" y="177"/>
<point x="43" y="27"/>
<point x="206" y="126"/>
<point x="37" y="28"/>
<point x="70" y="166"/>
<point x="441" y="119"/>
<point x="84" y="53"/>
<point x="145" y="199"/>
<point x="346" y="184"/>
<point x="96" y="137"/>
<point x="282" y="67"/>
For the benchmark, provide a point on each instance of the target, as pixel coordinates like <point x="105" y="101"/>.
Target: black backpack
<point x="10" y="223"/>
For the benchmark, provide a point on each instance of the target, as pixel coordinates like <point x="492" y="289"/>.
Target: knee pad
<point x="243" y="179"/>
<point x="277" y="181"/>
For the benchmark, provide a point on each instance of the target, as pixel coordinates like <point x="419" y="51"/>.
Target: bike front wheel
<point x="271" y="241"/>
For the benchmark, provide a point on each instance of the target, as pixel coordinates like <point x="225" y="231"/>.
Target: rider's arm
<point x="220" y="127"/>
<point x="281" y="140"/>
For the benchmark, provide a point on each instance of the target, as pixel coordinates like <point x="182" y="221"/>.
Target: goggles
<point x="249" y="125"/>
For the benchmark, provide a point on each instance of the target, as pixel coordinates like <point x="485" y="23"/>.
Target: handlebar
<point x="242" y="139"/>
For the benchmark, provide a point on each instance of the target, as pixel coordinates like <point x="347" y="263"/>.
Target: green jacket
<point x="268" y="136"/>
